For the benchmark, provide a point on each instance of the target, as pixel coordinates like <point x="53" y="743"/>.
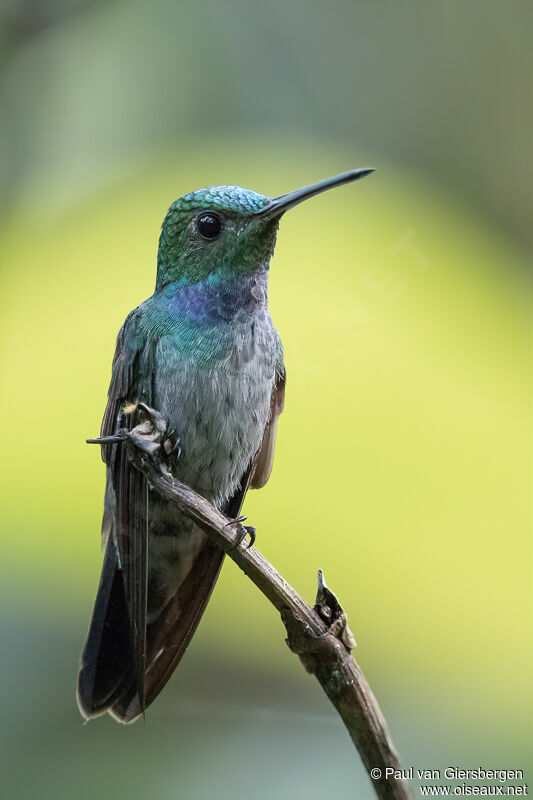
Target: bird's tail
<point x="107" y="679"/>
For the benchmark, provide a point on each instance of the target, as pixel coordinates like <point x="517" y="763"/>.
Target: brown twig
<point x="320" y="635"/>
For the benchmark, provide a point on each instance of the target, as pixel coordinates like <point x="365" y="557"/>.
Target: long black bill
<point x="279" y="205"/>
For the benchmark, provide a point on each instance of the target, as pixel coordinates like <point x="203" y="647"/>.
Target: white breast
<point x="220" y="409"/>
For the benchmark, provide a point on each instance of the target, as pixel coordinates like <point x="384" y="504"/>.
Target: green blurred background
<point x="403" y="457"/>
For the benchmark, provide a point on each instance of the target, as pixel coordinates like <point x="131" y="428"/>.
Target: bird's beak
<point x="279" y="205"/>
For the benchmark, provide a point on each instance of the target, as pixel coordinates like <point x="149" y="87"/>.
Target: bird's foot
<point x="252" y="533"/>
<point x="154" y="435"/>
<point x="246" y="530"/>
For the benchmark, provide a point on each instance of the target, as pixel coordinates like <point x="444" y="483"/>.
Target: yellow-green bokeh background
<point x="402" y="469"/>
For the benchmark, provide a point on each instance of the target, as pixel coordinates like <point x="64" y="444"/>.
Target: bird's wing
<point x="265" y="457"/>
<point x="131" y="382"/>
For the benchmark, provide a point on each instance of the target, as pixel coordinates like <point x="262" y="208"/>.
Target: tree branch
<point x="319" y="636"/>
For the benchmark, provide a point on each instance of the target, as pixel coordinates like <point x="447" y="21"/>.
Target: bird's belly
<point x="219" y="412"/>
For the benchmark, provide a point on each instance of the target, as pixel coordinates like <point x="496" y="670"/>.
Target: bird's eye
<point x="209" y="226"/>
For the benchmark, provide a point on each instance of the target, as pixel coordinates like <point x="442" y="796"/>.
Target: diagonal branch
<point x="320" y="635"/>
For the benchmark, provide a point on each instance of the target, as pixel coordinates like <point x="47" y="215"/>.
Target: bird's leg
<point x="154" y="435"/>
<point x="246" y="530"/>
<point x="250" y="530"/>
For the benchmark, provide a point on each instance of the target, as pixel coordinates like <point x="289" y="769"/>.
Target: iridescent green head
<point x="226" y="230"/>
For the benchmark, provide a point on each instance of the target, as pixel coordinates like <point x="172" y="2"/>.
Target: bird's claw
<point x="154" y="435"/>
<point x="246" y="530"/>
<point x="242" y="518"/>
<point x="250" y="530"/>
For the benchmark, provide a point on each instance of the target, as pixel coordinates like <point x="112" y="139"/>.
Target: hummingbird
<point x="202" y="354"/>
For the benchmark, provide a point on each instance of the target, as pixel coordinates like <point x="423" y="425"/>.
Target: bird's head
<point x="226" y="230"/>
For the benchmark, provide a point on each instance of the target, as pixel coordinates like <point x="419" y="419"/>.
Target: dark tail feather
<point x="107" y="661"/>
<point x="169" y="635"/>
<point x="133" y="547"/>
<point x="113" y="665"/>
<point x="109" y="679"/>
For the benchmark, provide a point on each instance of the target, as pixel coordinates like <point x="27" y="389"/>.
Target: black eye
<point x="209" y="226"/>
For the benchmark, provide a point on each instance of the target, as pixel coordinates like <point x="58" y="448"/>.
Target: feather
<point x="265" y="458"/>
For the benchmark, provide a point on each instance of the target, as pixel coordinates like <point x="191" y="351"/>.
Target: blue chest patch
<point x="218" y="300"/>
<point x="210" y="320"/>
